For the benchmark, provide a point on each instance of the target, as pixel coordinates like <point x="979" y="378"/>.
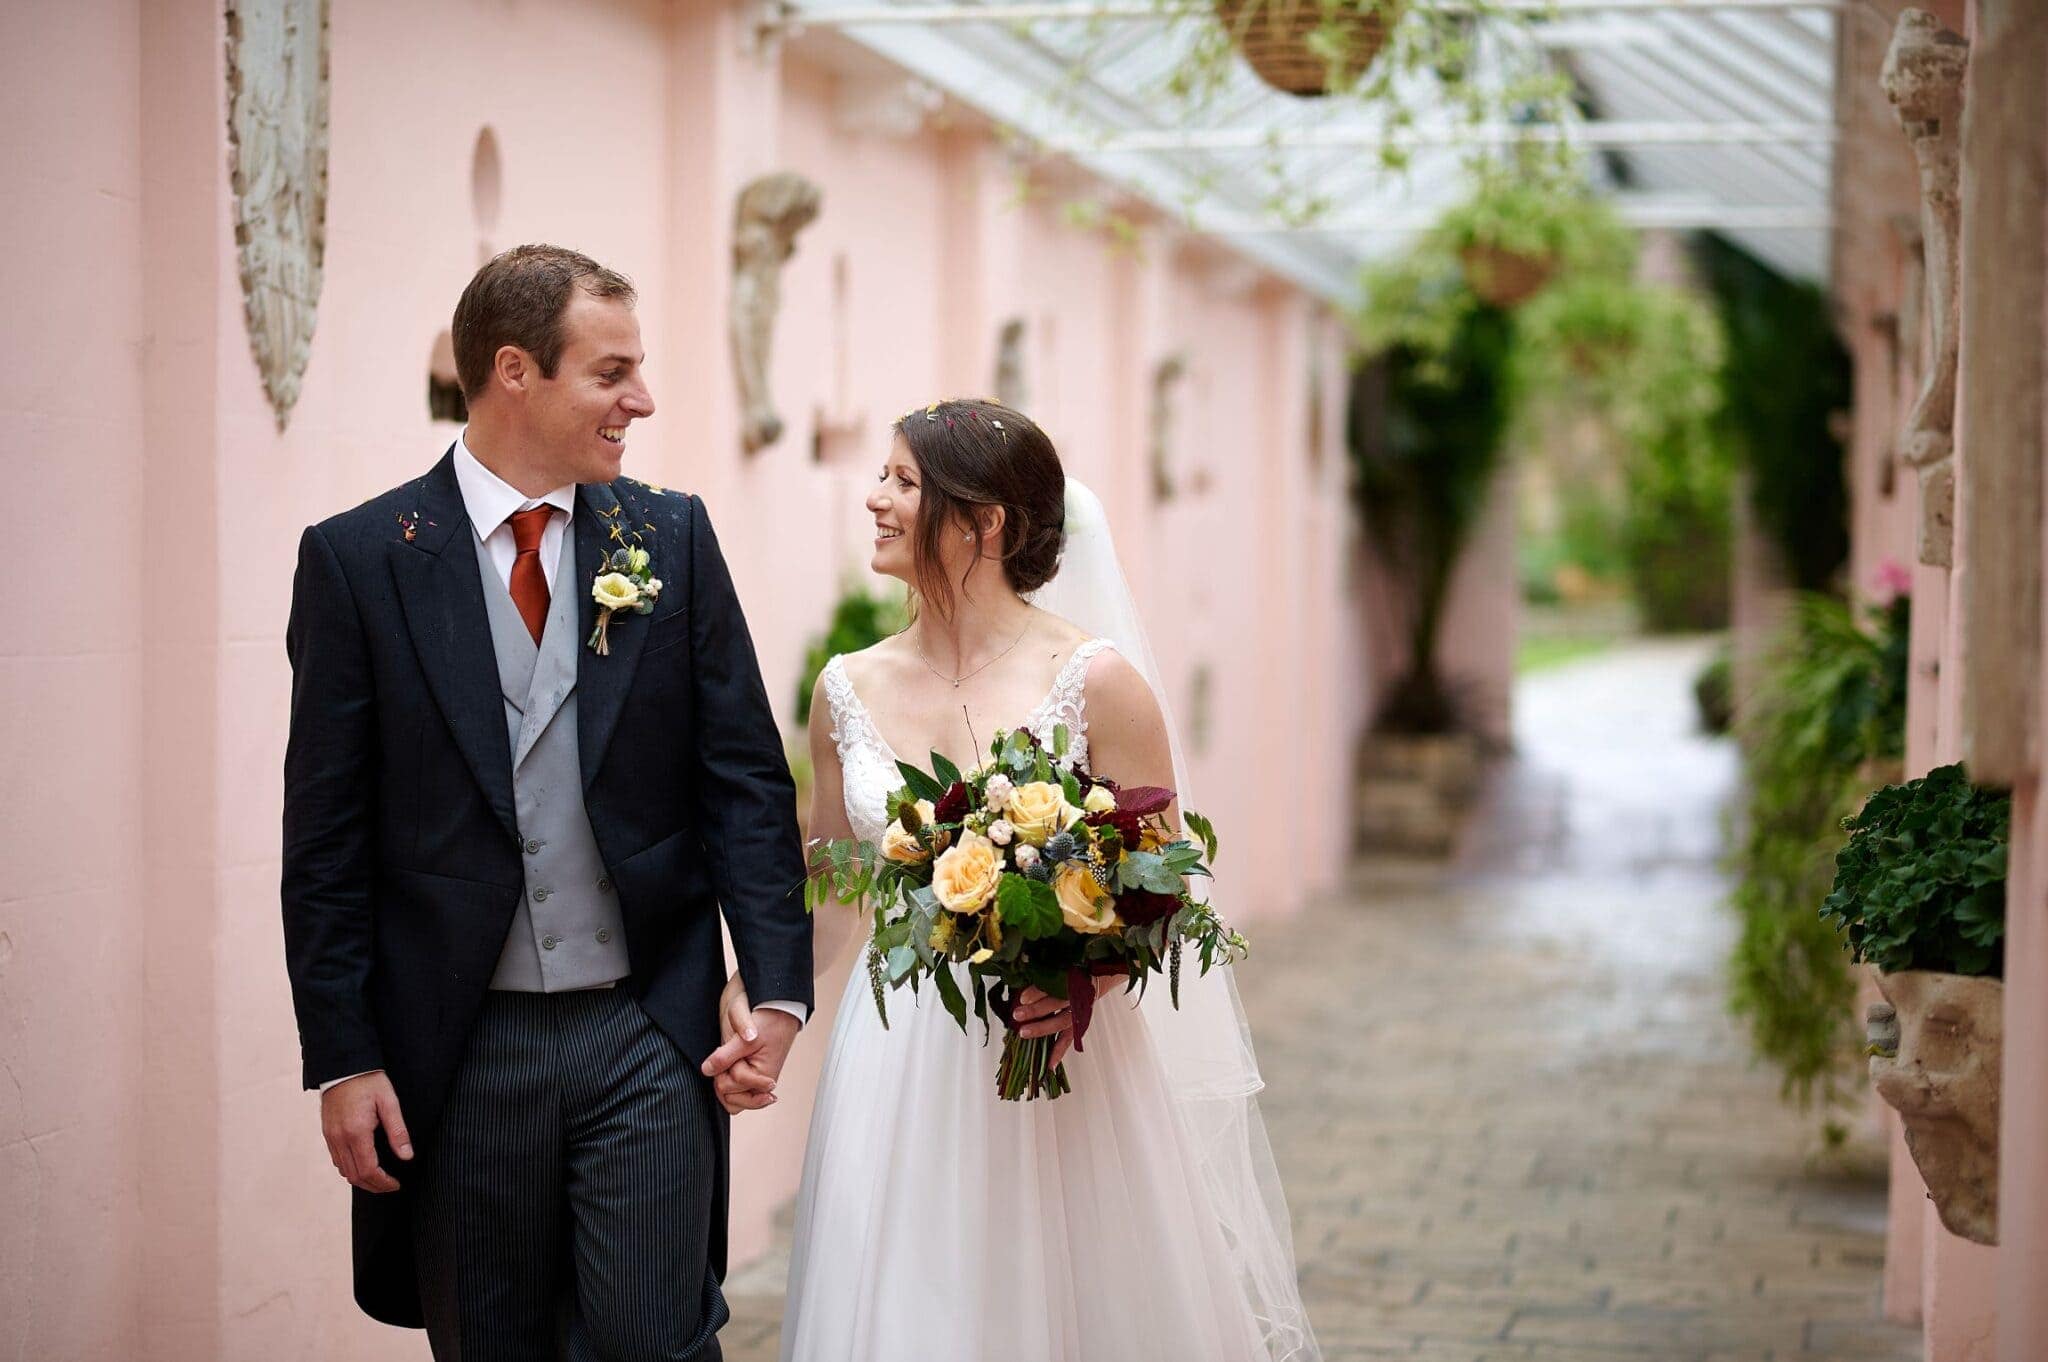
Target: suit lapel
<point x="601" y="682"/>
<point x="440" y="588"/>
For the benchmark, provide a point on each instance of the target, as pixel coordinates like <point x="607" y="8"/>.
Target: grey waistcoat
<point x="568" y="932"/>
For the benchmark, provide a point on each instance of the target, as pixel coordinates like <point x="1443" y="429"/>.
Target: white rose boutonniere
<point x="625" y="581"/>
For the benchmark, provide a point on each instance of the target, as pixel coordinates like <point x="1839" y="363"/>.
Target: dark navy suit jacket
<point x="401" y="855"/>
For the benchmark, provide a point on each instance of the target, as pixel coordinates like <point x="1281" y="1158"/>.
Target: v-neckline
<point x="889" y="748"/>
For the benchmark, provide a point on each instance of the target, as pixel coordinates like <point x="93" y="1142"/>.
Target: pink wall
<point x="1976" y="1303"/>
<point x="161" y="1174"/>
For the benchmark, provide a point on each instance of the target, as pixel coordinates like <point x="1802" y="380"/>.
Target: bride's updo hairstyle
<point x="972" y="455"/>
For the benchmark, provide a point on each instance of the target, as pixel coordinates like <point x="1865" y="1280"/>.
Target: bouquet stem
<point x="1026" y="1070"/>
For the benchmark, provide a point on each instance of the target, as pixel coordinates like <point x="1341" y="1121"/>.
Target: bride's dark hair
<point x="976" y="454"/>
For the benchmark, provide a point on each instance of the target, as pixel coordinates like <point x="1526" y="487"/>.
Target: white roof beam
<point x="1594" y="133"/>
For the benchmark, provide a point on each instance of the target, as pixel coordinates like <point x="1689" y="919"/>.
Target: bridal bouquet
<point x="1026" y="871"/>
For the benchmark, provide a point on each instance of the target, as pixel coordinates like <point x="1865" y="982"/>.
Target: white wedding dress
<point x="937" y="1223"/>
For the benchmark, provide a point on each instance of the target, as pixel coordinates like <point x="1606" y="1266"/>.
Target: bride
<point x="1138" y="1217"/>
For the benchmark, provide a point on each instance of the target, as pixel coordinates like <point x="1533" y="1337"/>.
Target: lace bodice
<point x="868" y="766"/>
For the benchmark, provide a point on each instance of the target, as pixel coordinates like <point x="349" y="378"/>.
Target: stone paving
<point x="1512" y="1115"/>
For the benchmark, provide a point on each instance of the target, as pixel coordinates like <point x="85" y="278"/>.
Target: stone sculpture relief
<point x="1935" y="1049"/>
<point x="1166" y="377"/>
<point x="1923" y="78"/>
<point x="277" y="164"/>
<point x="1010" y="389"/>
<point x="771" y="211"/>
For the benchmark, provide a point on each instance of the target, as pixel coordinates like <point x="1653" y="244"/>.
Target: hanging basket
<point x="1273" y="36"/>
<point x="1505" y="278"/>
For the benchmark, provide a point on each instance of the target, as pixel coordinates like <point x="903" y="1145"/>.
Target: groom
<point x="505" y="856"/>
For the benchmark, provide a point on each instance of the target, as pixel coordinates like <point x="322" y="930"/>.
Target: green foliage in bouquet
<point x="1830" y="704"/>
<point x="1026" y="872"/>
<point x="1921" y="883"/>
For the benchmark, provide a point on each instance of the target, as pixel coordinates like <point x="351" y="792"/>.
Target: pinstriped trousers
<point x="566" y="1213"/>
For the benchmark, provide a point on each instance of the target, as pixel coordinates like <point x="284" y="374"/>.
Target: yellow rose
<point x="899" y="845"/>
<point x="965" y="878"/>
<point x="1099" y="800"/>
<point x="1037" y="811"/>
<point x="615" y="591"/>
<point x="1082" y="902"/>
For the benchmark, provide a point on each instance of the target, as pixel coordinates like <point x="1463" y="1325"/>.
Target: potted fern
<point x="1920" y="894"/>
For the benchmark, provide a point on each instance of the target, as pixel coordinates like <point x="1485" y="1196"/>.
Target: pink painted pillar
<point x="2022" y="1304"/>
<point x="185" y="194"/>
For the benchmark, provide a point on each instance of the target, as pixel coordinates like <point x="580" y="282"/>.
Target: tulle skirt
<point x="937" y="1223"/>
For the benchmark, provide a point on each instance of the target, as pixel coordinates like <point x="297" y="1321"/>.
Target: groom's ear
<point x="512" y="369"/>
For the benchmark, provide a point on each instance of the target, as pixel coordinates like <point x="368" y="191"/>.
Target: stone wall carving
<point x="1936" y="1045"/>
<point x="1166" y="377"/>
<point x="1923" y="78"/>
<point x="770" y="213"/>
<point x="1010" y="389"/>
<point x="277" y="163"/>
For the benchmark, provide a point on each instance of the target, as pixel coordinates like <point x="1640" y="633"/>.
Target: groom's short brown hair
<point x="517" y="298"/>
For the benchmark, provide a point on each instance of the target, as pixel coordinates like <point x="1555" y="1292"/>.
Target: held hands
<point x="1038" y="1013"/>
<point x="350" y="1113"/>
<point x="755" y="1043"/>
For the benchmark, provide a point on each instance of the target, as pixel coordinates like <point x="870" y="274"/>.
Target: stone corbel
<point x="1010" y="390"/>
<point x="1923" y="78"/>
<point x="1936" y="1045"/>
<point x="771" y="211"/>
<point x="1166" y="377"/>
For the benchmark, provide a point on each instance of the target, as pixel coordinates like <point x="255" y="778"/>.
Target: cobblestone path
<point x="1514" y="1119"/>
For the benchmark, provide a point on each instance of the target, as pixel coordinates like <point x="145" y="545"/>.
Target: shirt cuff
<point x="345" y="1078"/>
<point x="797" y="1010"/>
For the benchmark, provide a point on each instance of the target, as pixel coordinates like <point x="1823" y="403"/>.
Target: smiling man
<point x="506" y="852"/>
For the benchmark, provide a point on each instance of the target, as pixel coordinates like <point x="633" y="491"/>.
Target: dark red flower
<point x="1126" y="824"/>
<point x="953" y="807"/>
<point x="1143" y="907"/>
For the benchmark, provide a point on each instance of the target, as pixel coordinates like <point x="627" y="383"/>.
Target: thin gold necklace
<point x="968" y="676"/>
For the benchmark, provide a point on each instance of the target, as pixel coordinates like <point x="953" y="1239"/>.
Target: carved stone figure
<point x="1010" y="390"/>
<point x="1923" y="78"/>
<point x="771" y="211"/>
<point x="277" y="161"/>
<point x="1935" y="1048"/>
<point x="1166" y="376"/>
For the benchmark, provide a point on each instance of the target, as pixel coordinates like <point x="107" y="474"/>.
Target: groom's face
<point x="581" y="415"/>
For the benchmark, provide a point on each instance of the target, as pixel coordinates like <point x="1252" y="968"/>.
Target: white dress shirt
<point x="491" y="503"/>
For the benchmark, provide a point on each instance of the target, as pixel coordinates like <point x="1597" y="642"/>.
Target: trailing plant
<point x="859" y="620"/>
<point x="1425" y="439"/>
<point x="1830" y="699"/>
<point x="1921" y="883"/>
<point x="1783" y="375"/>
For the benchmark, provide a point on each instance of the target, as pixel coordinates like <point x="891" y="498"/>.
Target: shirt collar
<point x="490" y="500"/>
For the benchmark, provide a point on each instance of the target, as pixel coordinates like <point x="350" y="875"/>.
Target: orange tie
<point x="529" y="581"/>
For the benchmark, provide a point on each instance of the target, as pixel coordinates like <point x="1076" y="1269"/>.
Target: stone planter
<point x="1413" y="790"/>
<point x="1935" y="1046"/>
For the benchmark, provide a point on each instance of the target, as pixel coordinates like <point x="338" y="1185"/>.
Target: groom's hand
<point x="743" y="1070"/>
<point x="350" y="1113"/>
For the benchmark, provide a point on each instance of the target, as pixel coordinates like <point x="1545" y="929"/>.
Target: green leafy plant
<point x="859" y="620"/>
<point x="1831" y="698"/>
<point x="1782" y="433"/>
<point x="1425" y="434"/>
<point x="1921" y="883"/>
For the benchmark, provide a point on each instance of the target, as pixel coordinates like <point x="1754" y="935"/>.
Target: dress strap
<point x="1067" y="701"/>
<point x="853" y="728"/>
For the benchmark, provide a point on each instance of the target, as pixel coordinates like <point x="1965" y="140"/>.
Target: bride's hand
<point x="1038" y="1013"/>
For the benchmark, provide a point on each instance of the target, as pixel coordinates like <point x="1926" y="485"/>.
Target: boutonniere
<point x="625" y="581"/>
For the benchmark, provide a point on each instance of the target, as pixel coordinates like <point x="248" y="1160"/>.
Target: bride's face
<point x="893" y="501"/>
